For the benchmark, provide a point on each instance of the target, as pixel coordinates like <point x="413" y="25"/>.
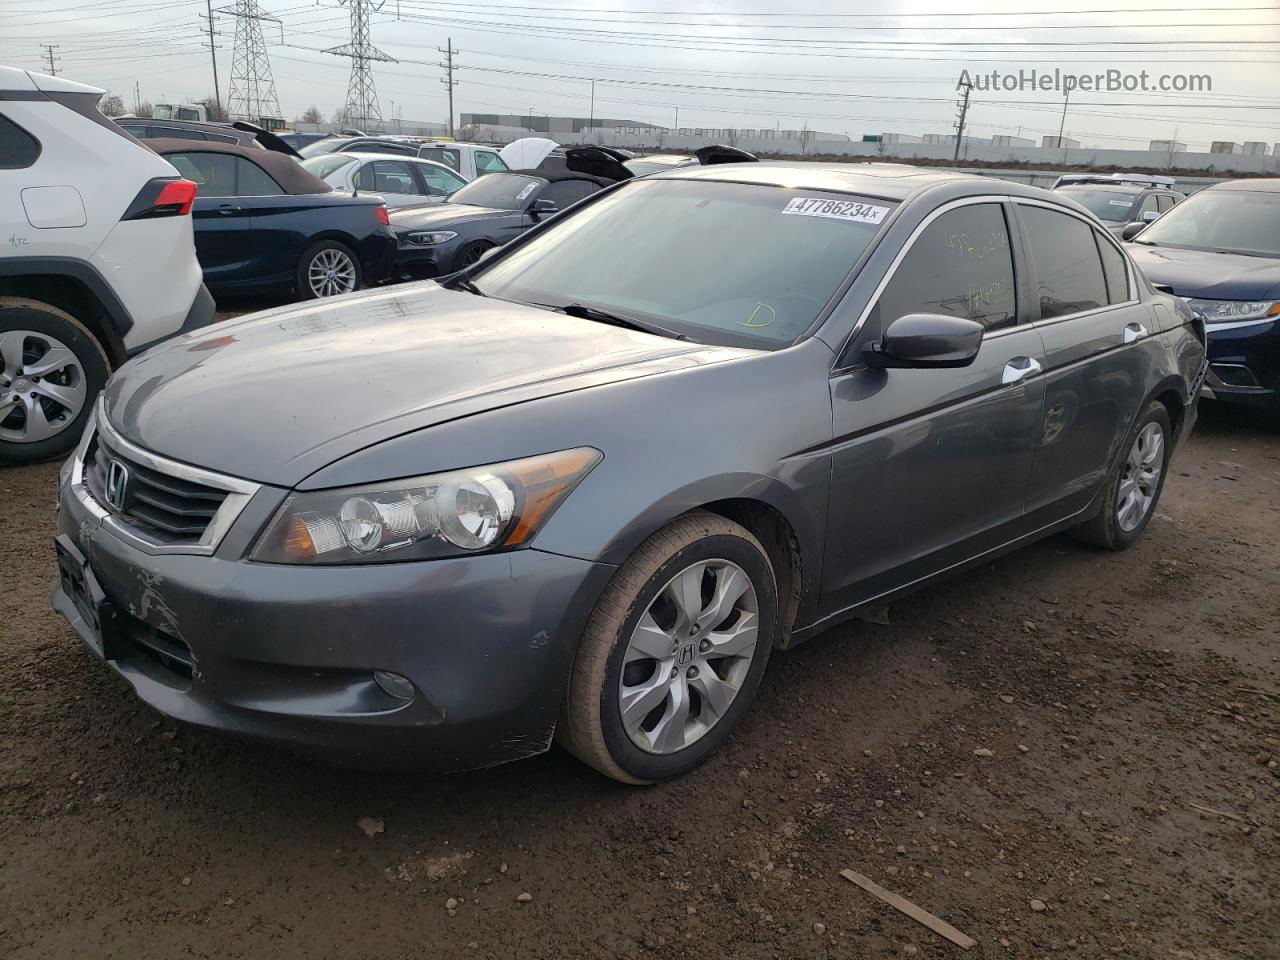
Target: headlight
<point x="1223" y="311"/>
<point x="494" y="507"/>
<point x="428" y="237"/>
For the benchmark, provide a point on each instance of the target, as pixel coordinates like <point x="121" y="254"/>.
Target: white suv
<point x="97" y="259"/>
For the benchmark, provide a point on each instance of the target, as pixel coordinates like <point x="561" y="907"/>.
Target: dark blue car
<point x="1220" y="251"/>
<point x="264" y="223"/>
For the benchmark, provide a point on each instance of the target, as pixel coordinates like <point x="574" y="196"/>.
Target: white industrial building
<point x="1255" y="148"/>
<point x="1168" y="146"/>
<point x="1225" y="146"/>
<point x="1006" y="141"/>
<point x="1059" y="143"/>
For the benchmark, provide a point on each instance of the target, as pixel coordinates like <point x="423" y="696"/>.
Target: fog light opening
<point x="393" y="685"/>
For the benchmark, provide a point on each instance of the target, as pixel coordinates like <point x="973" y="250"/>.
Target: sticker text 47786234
<point x="853" y="210"/>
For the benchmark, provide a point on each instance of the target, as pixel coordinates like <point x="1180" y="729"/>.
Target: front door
<point x="1097" y="354"/>
<point x="930" y="467"/>
<point x="223" y="225"/>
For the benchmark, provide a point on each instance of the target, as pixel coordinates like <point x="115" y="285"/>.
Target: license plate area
<point x="95" y="609"/>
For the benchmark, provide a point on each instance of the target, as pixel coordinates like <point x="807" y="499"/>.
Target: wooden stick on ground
<point x="1216" y="813"/>
<point x="937" y="925"/>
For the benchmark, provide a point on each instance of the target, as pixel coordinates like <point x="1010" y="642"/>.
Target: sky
<point x="856" y="68"/>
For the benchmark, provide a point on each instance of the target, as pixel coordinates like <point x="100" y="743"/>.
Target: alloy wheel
<point x="1141" y="478"/>
<point x="42" y="386"/>
<point x="331" y="272"/>
<point x="688" y="656"/>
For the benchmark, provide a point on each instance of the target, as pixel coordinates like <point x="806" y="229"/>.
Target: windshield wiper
<point x="617" y="319"/>
<point x="462" y="283"/>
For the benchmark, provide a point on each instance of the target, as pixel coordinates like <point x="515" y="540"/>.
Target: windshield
<point x="320" y="147"/>
<point x="502" y="191"/>
<point x="731" y="263"/>
<point x="640" y="168"/>
<point x="325" y="164"/>
<point x="1240" y="221"/>
<point x="1103" y="204"/>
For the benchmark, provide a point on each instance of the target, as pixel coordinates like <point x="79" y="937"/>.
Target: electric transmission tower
<point x="253" y="92"/>
<point x="362" y="108"/>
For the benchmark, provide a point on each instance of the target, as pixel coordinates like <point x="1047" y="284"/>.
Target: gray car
<point x="582" y="491"/>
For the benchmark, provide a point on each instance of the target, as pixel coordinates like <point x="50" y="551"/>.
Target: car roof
<point x="289" y="173"/>
<point x="670" y="158"/>
<point x="1110" y="187"/>
<point x="374" y="155"/>
<point x="1257" y="185"/>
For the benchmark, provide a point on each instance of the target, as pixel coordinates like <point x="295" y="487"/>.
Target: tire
<point x="1113" y="528"/>
<point x="345" y="270"/>
<point x="470" y="254"/>
<point x="29" y="331"/>
<point x="656" y="745"/>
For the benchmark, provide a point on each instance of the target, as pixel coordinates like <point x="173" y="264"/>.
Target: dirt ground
<point x="1064" y="753"/>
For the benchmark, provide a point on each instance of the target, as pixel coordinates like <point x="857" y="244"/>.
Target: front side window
<point x="1165" y="201"/>
<point x="253" y="181"/>
<point x="386" y="176"/>
<point x="439" y="181"/>
<point x="1067" y="265"/>
<point x="489" y="162"/>
<point x="566" y="192"/>
<point x="1149" y="205"/>
<point x="214" y="174"/>
<point x="961" y="266"/>
<point x="719" y="262"/>
<point x="499" y="191"/>
<point x="1230" y="221"/>
<point x="18" y="148"/>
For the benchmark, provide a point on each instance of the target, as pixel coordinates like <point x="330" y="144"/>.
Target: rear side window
<point x="440" y="182"/>
<point x="253" y="181"/>
<point x="489" y="162"/>
<point x="448" y="156"/>
<point x="1113" y="270"/>
<point x="961" y="266"/>
<point x="18" y="148"/>
<point x="213" y="173"/>
<point x="1166" y="202"/>
<point x="1067" y="264"/>
<point x="565" y="192"/>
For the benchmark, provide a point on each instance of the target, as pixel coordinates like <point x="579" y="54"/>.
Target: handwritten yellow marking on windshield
<point x="751" y="320"/>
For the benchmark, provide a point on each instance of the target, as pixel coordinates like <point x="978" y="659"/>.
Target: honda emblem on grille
<point x="117" y="484"/>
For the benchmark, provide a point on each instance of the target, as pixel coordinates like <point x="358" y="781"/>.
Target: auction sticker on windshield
<point x="853" y="210"/>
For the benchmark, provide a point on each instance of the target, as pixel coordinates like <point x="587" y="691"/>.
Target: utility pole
<point x="362" y="107"/>
<point x="213" y="57"/>
<point x="448" y="80"/>
<point x="676" y="128"/>
<point x="253" y="92"/>
<point x="964" y="112"/>
<point x="48" y="52"/>
<point x="1063" y="124"/>
<point x="591" y="120"/>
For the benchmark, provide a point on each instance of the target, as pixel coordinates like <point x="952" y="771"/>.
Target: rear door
<point x="1095" y="330"/>
<point x="930" y="467"/>
<point x="223" y="224"/>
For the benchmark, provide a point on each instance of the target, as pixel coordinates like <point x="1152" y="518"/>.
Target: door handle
<point x="1133" y="332"/>
<point x="226" y="209"/>
<point x="1019" y="368"/>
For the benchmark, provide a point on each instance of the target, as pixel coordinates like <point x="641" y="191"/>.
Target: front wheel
<point x="471" y="254"/>
<point x="327" y="269"/>
<point x="51" y="368"/>
<point x="673" y="652"/>
<point x="1134" y="486"/>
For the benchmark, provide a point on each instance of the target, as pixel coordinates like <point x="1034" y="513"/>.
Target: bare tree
<point x="312" y="115"/>
<point x="112" y="105"/>
<point x="144" y="109"/>
<point x="214" y="110"/>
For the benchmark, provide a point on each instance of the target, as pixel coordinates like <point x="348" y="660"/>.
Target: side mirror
<point x="923" y="340"/>
<point x="543" y="208"/>
<point x="1151" y="215"/>
<point x="1131" y="230"/>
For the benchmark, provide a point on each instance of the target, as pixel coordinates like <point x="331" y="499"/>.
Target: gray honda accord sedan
<point x="583" y="491"/>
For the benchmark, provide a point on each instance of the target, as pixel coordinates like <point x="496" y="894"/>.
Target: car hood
<point x="527" y="152"/>
<point x="276" y="396"/>
<point x="442" y="215"/>
<point x="1210" y="275"/>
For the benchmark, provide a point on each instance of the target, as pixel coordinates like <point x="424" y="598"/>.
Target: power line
<point x="253" y="91"/>
<point x="362" y="107"/>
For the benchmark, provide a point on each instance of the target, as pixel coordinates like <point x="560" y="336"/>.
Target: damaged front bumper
<point x="481" y="645"/>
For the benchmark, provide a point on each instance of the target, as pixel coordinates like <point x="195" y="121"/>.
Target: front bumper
<point x="428" y="261"/>
<point x="378" y="256"/>
<point x="1244" y="363"/>
<point x="287" y="654"/>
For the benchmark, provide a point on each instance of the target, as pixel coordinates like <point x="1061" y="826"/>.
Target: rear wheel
<point x="673" y="653"/>
<point x="1134" y="486"/>
<point x="327" y="269"/>
<point x="51" y="368"/>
